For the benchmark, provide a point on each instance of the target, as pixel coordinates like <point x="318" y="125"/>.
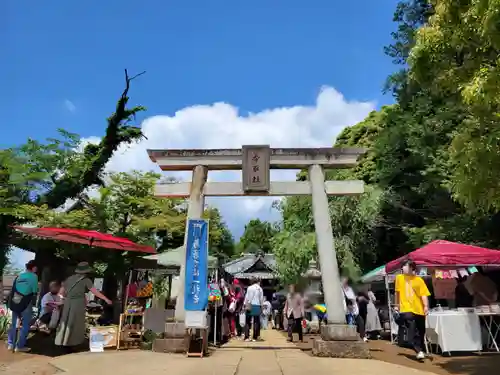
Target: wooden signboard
<point x="256" y="169"/>
<point x="103" y="337"/>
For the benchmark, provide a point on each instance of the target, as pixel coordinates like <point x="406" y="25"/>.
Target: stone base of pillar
<point x="175" y="339"/>
<point x="340" y="341"/>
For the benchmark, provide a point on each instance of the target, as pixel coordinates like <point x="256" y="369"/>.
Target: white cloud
<point x="221" y="125"/>
<point x="70" y="106"/>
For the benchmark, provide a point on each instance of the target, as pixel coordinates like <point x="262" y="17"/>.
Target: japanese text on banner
<point x="196" y="283"/>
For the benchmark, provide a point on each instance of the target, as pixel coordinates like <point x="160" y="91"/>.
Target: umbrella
<point x="374" y="275"/>
<point x="320" y="307"/>
<point x="87" y="237"/>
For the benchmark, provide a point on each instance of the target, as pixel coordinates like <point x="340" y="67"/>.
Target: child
<point x="50" y="306"/>
<point x="351" y="319"/>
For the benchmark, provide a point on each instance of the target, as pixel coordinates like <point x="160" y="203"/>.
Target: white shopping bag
<point x="243" y="319"/>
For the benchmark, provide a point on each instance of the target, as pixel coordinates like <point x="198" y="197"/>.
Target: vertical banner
<point x="196" y="280"/>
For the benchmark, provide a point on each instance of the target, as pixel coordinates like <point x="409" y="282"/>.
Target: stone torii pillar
<point x="338" y="339"/>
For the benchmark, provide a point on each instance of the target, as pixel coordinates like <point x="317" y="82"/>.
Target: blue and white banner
<point x="196" y="280"/>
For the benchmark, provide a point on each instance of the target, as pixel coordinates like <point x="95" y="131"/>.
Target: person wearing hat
<point x="412" y="300"/>
<point x="71" y="329"/>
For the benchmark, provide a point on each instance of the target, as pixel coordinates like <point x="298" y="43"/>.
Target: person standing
<point x="372" y="326"/>
<point x="362" y="300"/>
<point x="266" y="313"/>
<point x="352" y="307"/>
<point x="412" y="300"/>
<point x="240" y="307"/>
<point x="254" y="299"/>
<point x="20" y="302"/>
<point x="71" y="330"/>
<point x="277" y="317"/>
<point x="294" y="312"/>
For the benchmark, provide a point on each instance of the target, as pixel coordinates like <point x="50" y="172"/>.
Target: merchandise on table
<point x="133" y="307"/>
<point x="146" y="291"/>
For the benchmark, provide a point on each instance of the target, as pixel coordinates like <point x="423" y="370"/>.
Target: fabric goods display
<point x="147" y="291"/>
<point x="214" y="293"/>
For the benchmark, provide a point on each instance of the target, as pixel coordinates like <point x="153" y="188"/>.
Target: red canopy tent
<point x="87" y="237"/>
<point x="441" y="253"/>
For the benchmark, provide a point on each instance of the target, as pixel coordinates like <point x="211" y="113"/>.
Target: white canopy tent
<point x="172" y="259"/>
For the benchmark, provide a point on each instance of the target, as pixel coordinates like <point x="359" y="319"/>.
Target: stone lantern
<point x="313" y="292"/>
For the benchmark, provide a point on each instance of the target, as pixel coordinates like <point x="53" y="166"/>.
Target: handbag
<point x="232" y="306"/>
<point x="243" y="319"/>
<point x="18" y="302"/>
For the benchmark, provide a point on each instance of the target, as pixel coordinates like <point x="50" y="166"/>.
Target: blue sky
<point x="210" y="65"/>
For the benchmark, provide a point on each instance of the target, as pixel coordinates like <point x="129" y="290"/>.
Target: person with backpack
<point x="20" y="302"/>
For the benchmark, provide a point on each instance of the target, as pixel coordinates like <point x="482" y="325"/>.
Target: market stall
<point x="448" y="264"/>
<point x="94" y="239"/>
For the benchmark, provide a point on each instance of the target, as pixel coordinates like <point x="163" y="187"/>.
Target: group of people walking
<point x="62" y="308"/>
<point x="253" y="311"/>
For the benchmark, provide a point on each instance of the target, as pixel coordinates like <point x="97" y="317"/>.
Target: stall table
<point x="454" y="331"/>
<point x="492" y="326"/>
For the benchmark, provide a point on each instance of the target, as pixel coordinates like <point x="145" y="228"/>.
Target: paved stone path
<point x="273" y="356"/>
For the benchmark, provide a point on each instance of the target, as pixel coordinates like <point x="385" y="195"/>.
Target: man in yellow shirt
<point x="412" y="299"/>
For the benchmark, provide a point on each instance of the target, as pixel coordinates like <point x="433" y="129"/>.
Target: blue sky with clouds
<point x="219" y="74"/>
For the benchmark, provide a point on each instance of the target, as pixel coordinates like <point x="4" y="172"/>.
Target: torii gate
<point x="255" y="163"/>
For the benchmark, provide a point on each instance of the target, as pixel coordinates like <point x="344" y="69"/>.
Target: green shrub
<point x="4" y="326"/>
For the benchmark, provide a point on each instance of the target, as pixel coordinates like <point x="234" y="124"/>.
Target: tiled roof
<point x="259" y="275"/>
<point x="244" y="263"/>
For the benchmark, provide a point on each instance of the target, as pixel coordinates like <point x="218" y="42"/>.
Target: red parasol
<point x="87" y="237"/>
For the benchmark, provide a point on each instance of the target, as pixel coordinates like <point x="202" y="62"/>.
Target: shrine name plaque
<point x="256" y="169"/>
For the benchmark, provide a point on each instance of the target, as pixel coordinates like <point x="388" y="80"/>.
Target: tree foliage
<point x="433" y="157"/>
<point x="126" y="207"/>
<point x="457" y="52"/>
<point x="49" y="173"/>
<point x="257" y="236"/>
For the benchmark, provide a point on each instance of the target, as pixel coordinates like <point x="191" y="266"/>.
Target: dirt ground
<point x="30" y="363"/>
<point x="383" y="350"/>
<point x="478" y="364"/>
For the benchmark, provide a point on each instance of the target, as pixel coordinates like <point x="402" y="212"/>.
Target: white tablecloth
<point x="454" y="331"/>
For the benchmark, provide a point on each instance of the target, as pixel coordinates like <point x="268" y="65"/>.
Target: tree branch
<point x="117" y="133"/>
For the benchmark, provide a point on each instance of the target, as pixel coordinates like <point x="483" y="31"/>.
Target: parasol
<point x="320" y="308"/>
<point x="87" y="237"/>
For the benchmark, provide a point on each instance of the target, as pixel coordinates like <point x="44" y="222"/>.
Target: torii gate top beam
<point x="232" y="159"/>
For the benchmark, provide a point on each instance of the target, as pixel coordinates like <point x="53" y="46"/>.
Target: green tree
<point x="50" y="173"/>
<point x="221" y="241"/>
<point x="257" y="236"/>
<point x="124" y="207"/>
<point x="355" y="221"/>
<point x="456" y="53"/>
